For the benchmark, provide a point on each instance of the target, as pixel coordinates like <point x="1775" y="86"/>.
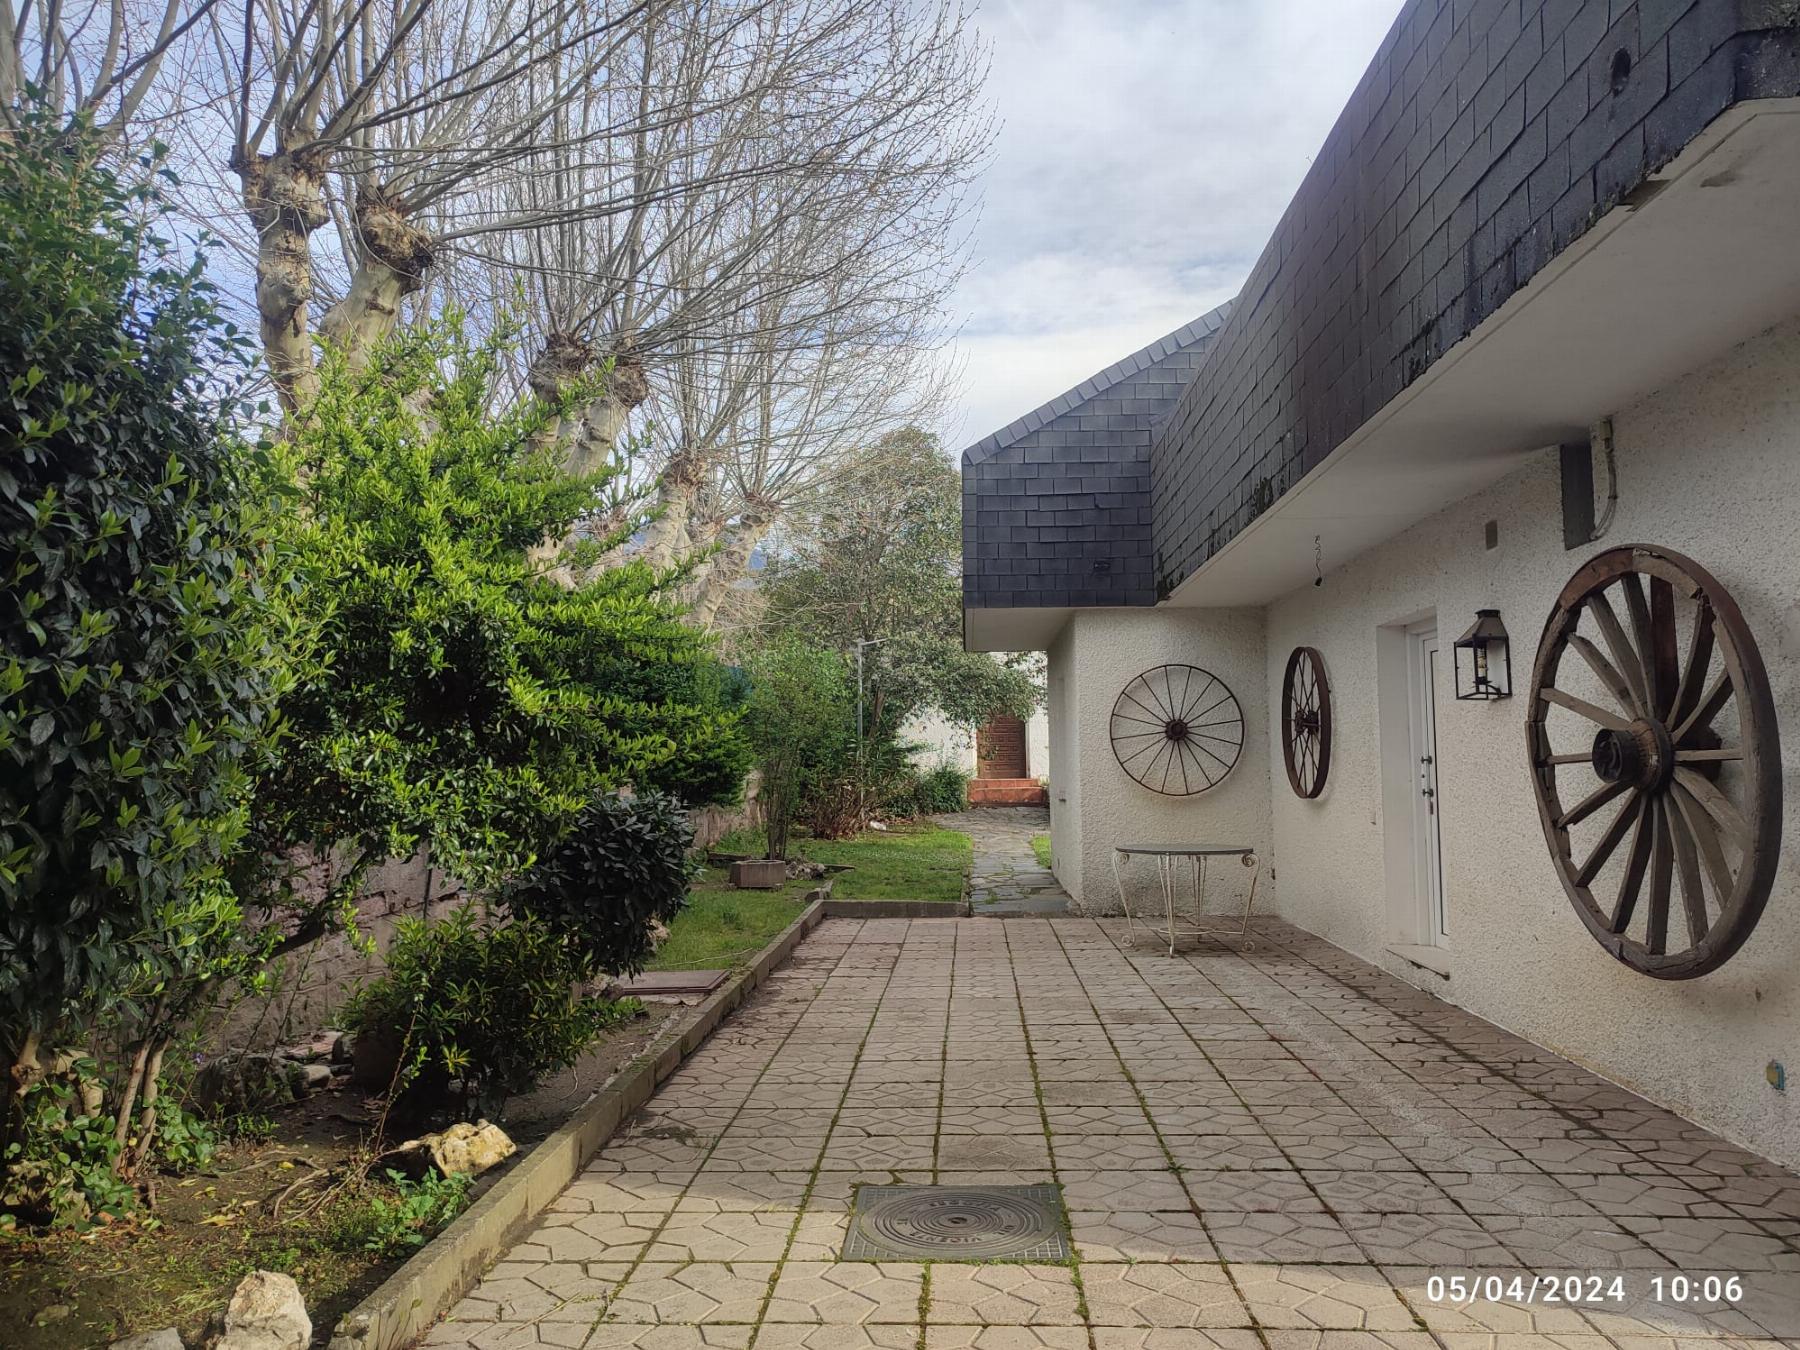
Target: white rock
<point x="266" y="1313"/>
<point x="166" y="1339"/>
<point x="461" y="1148"/>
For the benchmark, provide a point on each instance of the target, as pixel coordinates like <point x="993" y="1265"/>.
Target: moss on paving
<point x="1040" y="845"/>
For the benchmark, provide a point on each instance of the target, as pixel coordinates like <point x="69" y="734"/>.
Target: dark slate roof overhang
<point x="1056" y="506"/>
<point x="1486" y="138"/>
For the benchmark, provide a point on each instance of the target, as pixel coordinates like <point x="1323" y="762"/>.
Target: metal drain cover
<point x="957" y="1223"/>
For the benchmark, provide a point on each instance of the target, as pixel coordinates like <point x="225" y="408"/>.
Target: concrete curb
<point x="410" y="1300"/>
<point x="896" y="909"/>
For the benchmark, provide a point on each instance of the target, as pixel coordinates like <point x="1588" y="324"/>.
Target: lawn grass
<point x="1040" y="845"/>
<point x="905" y="862"/>
<point x="723" y="928"/>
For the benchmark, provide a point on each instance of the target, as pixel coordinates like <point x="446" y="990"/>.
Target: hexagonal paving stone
<point x="660" y="1291"/>
<point x="1003" y="1295"/>
<point x="1164" y="1297"/>
<point x="1006" y="1338"/>
<point x="1322" y="1298"/>
<point x="1280" y="1237"/>
<point x="1132" y="1236"/>
<point x="725" y="1235"/>
<point x="847" y="1292"/>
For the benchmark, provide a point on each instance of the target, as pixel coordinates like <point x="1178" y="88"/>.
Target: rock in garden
<point x="461" y="1148"/>
<point x="266" y="1313"/>
<point x="239" y="1084"/>
<point x="166" y="1339"/>
<point x="314" y="1077"/>
<point x="375" y="1057"/>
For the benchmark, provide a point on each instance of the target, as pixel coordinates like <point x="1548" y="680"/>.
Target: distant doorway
<point x="1000" y="749"/>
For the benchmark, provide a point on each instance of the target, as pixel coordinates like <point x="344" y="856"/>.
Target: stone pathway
<point x="1283" y="1149"/>
<point x="1005" y="879"/>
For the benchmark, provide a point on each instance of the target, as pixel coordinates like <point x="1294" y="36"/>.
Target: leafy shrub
<point x="485" y="1006"/>
<point x="941" y="790"/>
<point x="474" y="704"/>
<point x="184" y="1142"/>
<point x="396" y="1217"/>
<point x="801" y="718"/>
<point x="624" y="864"/>
<point x="140" y="659"/>
<point x="60" y="1166"/>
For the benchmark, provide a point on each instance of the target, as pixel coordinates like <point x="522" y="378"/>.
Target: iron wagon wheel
<point x="1681" y="745"/>
<point x="1177" y="730"/>
<point x="1306" y="722"/>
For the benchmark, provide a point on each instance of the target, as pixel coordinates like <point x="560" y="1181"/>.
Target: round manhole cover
<point x="958" y="1223"/>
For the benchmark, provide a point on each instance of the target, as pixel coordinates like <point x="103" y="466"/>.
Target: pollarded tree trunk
<point x="668" y="538"/>
<point x="283" y="195"/>
<point x="730" y="564"/>
<point x="603" y="421"/>
<point x="565" y="358"/>
<point x="394" y="256"/>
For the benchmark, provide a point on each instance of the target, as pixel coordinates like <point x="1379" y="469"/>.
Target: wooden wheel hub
<point x="1640" y="756"/>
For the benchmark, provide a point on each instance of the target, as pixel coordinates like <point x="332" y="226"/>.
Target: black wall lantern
<point x="1484" y="659"/>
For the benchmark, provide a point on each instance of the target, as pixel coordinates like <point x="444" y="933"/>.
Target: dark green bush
<point x="140" y="663"/>
<point x="624" y="864"/>
<point x="482" y="1011"/>
<point x="941" y="790"/>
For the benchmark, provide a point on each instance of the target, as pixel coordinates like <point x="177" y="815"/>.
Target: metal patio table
<point x="1167" y="862"/>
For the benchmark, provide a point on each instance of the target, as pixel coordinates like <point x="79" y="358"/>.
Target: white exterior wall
<point x="941" y="741"/>
<point x="1062" y="701"/>
<point x="1709" y="467"/>
<point x="1110" y="648"/>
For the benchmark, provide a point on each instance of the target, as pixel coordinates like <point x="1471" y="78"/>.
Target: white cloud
<point x="1147" y="149"/>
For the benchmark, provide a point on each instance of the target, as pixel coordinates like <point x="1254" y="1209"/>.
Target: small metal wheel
<point x="1662" y="731"/>
<point x="1178" y="730"/>
<point x="1306" y="722"/>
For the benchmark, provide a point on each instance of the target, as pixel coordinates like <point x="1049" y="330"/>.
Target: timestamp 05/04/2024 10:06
<point x="1609" y="1288"/>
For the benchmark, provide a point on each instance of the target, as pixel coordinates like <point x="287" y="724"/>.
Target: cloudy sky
<point x="1146" y="150"/>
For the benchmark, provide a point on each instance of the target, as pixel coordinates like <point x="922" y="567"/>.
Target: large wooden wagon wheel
<point x="1657" y="761"/>
<point x="1306" y="722"/>
<point x="1177" y="730"/>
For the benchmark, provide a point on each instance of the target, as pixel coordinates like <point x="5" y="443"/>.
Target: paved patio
<point x="1279" y="1148"/>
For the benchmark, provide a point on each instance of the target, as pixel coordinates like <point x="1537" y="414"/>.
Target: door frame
<point x="1411" y="922"/>
<point x="1422" y="666"/>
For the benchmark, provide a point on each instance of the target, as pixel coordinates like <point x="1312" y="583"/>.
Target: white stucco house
<point x="1527" y="341"/>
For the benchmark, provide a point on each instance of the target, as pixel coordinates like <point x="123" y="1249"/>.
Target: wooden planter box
<point x="759" y="874"/>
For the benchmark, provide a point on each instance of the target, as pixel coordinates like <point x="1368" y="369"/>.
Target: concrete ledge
<point x="896" y="909"/>
<point x="410" y="1300"/>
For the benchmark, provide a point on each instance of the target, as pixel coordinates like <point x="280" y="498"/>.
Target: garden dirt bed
<point x="75" y="1291"/>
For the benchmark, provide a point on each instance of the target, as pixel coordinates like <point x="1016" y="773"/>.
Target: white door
<point x="1428" y="860"/>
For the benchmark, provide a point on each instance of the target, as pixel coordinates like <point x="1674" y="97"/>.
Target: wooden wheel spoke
<point x="1643" y="812"/>
<point x="1662" y="855"/>
<point x="1608" y="674"/>
<point x="1608" y="843"/>
<point x="1586" y="807"/>
<point x="1624" y="658"/>
<point x="1660" y="654"/>
<point x="1724" y="755"/>
<point x="1699" y="661"/>
<point x="1706" y="841"/>
<point x="1721" y="807"/>
<point x="1717" y="696"/>
<point x="1569" y="759"/>
<point x="1582" y="708"/>
<point x="1687" y="868"/>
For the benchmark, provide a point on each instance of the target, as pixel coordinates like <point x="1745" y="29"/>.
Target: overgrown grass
<point x="1040" y="845"/>
<point x="722" y="927"/>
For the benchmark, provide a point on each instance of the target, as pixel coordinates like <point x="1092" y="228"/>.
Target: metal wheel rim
<point x="1177" y="730"/>
<point x="1306" y="722"/>
<point x="1693" y="796"/>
